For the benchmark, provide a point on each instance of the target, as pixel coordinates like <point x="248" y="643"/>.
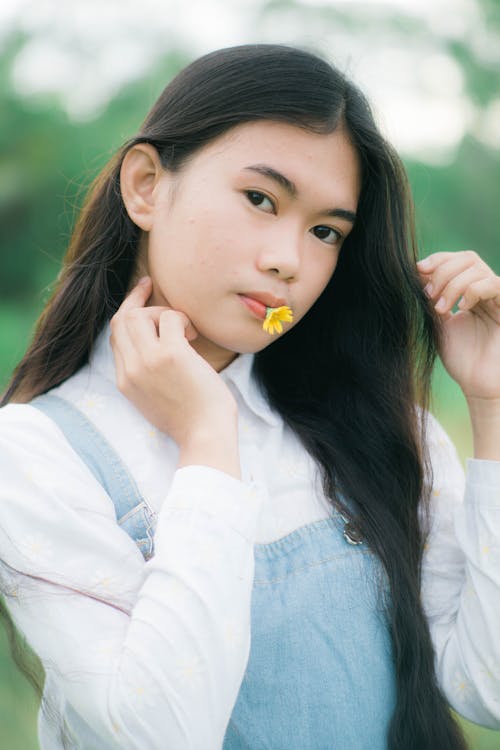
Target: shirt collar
<point x="238" y="372"/>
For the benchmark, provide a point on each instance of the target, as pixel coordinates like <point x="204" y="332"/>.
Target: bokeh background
<point x="78" y="77"/>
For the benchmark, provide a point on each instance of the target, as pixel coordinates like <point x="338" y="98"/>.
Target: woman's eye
<point x="322" y="233"/>
<point x="257" y="199"/>
<point x="326" y="234"/>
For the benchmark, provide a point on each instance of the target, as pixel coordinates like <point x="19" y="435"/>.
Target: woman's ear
<point x="140" y="172"/>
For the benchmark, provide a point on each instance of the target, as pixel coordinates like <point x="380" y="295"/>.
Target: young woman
<point x="229" y="524"/>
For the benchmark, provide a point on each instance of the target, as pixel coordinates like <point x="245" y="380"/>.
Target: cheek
<point x="207" y="236"/>
<point x="197" y="257"/>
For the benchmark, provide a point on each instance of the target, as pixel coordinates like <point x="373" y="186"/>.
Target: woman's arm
<point x="146" y="653"/>
<point x="461" y="580"/>
<point x="461" y="574"/>
<point x="470" y="337"/>
<point x="485" y="421"/>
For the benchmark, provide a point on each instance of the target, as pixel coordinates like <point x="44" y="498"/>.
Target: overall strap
<point x="132" y="511"/>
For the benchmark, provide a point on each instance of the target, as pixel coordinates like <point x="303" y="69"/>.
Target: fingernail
<point x="424" y="263"/>
<point x="440" y="304"/>
<point x="429" y="289"/>
<point x="143" y="281"/>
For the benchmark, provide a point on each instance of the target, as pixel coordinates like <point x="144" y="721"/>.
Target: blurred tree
<point x="49" y="161"/>
<point x="31" y="140"/>
<point x="456" y="205"/>
<point x="480" y="61"/>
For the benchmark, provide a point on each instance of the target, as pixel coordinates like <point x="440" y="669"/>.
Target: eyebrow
<point x="291" y="189"/>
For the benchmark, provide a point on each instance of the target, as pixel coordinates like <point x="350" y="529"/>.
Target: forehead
<point x="326" y="165"/>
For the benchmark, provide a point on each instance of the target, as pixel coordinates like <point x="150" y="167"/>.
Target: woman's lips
<point x="258" y="308"/>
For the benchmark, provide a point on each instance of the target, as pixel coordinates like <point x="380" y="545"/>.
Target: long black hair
<point x="358" y="364"/>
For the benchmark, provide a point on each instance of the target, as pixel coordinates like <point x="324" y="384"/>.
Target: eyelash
<point x="249" y="193"/>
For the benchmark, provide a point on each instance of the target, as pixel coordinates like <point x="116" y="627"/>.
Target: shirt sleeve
<point x="142" y="651"/>
<point x="461" y="579"/>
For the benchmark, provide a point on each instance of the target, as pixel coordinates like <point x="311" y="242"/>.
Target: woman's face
<point x="263" y="208"/>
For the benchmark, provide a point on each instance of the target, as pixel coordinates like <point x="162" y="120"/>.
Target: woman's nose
<point x="281" y="254"/>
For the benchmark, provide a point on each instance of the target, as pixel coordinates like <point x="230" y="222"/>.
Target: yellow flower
<point x="273" y="317"/>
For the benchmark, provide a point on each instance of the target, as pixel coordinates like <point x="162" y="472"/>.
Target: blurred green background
<point x="439" y="65"/>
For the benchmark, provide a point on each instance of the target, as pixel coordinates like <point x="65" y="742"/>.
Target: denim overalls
<point x="320" y="673"/>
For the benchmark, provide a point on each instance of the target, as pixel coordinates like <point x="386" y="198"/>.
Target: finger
<point x="482" y="290"/>
<point x="135" y="344"/>
<point x="173" y="326"/>
<point x="137" y="337"/>
<point x="126" y="344"/>
<point x="124" y="348"/>
<point x="123" y="351"/>
<point x="117" y="355"/>
<point x="138" y="296"/>
<point x="454" y="289"/>
<point x="151" y="313"/>
<point x="429" y="264"/>
<point x="155" y="311"/>
<point x="450" y="267"/>
<point x="142" y="331"/>
<point x="433" y="262"/>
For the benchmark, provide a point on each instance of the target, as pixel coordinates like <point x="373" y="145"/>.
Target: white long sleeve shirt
<point x="153" y="651"/>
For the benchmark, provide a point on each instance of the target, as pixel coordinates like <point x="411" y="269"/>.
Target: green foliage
<point x="48" y="165"/>
<point x="456" y="205"/>
<point x="18" y="705"/>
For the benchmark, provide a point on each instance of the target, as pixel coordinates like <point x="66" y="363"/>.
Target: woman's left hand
<point x="471" y="337"/>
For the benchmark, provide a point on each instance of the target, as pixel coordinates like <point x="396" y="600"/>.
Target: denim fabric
<point x="320" y="672"/>
<point x="132" y="512"/>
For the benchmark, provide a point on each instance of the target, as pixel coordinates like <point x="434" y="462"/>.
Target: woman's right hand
<point x="158" y="370"/>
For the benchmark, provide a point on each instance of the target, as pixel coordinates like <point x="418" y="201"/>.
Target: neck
<point x="215" y="356"/>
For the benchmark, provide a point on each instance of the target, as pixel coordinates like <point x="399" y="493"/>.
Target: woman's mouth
<point x="258" y="308"/>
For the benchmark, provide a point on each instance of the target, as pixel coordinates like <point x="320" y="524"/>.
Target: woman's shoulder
<point x="34" y="452"/>
<point x="21" y="425"/>
<point x="54" y="514"/>
<point x="90" y="389"/>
